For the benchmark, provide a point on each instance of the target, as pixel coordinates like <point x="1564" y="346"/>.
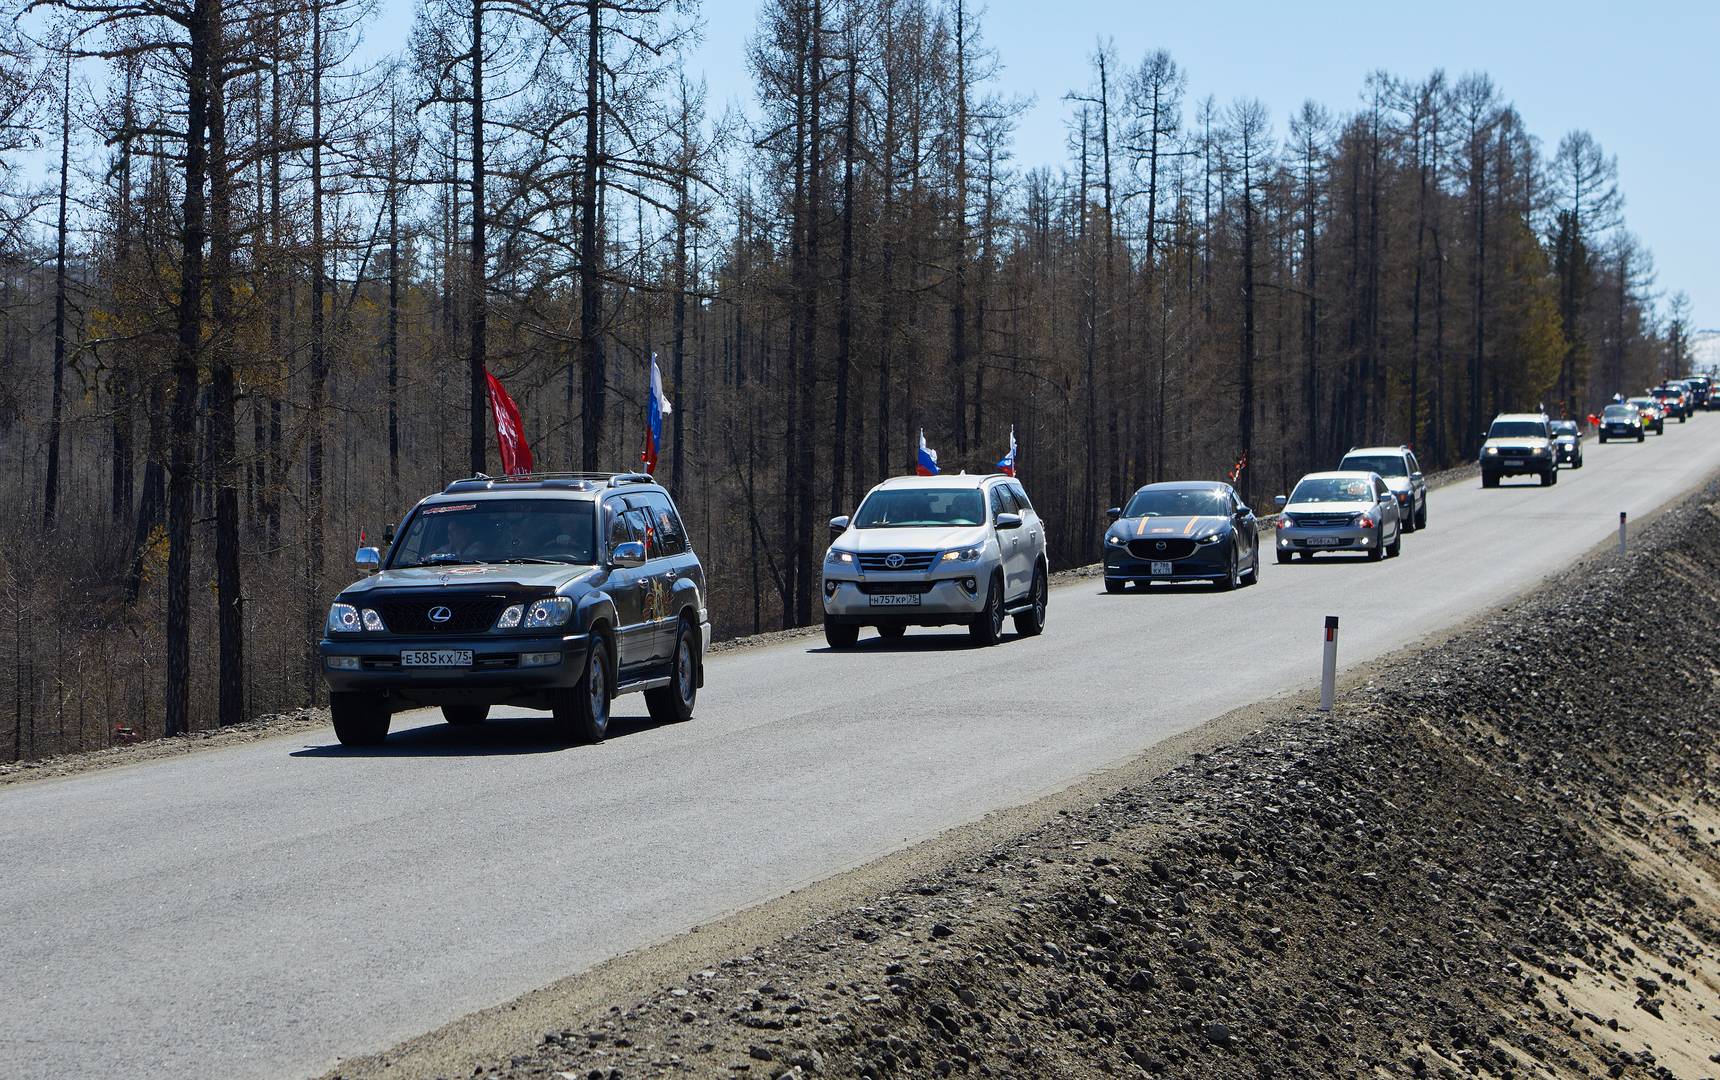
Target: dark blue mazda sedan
<point x="1182" y="531"/>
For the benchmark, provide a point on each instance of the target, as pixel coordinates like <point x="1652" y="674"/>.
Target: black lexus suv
<point x="551" y="591"/>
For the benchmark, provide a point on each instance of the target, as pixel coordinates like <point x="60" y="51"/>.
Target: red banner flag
<point x="510" y="435"/>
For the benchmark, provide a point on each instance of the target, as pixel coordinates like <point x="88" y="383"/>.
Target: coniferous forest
<point x="252" y="280"/>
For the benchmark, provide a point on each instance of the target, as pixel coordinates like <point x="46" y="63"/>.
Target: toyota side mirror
<point x="368" y="560"/>
<point x="1114" y="513"/>
<point x="1008" y="521"/>
<point x="1280" y="501"/>
<point x="627" y="556"/>
<point x="838" y="525"/>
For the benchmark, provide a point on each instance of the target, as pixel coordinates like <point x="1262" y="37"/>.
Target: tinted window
<point x="620" y="530"/>
<point x="1619" y="412"/>
<point x="1332" y="489"/>
<point x="1170" y="502"/>
<point x="906" y="508"/>
<point x="1020" y="494"/>
<point x="1517" y="429"/>
<point x="1002" y="501"/>
<point x="666" y="536"/>
<point x="1384" y="464"/>
<point x="639" y="523"/>
<point x="499" y="530"/>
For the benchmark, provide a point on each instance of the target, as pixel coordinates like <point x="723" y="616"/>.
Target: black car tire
<point x="581" y="715"/>
<point x="987" y="627"/>
<point x="464" y="715"/>
<point x="1682" y="418"/>
<point x="359" y="719"/>
<point x="673" y="704"/>
<point x="1252" y="577"/>
<point x="1031" y="623"/>
<point x="892" y="632"/>
<point x="1603" y="439"/>
<point x="1115" y="587"/>
<point x="1285" y="556"/>
<point x="1578" y="463"/>
<point x="1550" y="477"/>
<point x="1421" y="517"/>
<point x="840" y="635"/>
<point x="1641" y="436"/>
<point x="1489" y="480"/>
<point x="1396" y="546"/>
<point x="1378" y="551"/>
<point x="1232" y="577"/>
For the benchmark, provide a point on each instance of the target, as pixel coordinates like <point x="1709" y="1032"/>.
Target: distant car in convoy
<point x="1182" y="531"/>
<point x="1339" y="511"/>
<point x="1675" y="398"/>
<point x="1622" y="421"/>
<point x="1402" y="474"/>
<point x="1519" y="444"/>
<point x="936" y="551"/>
<point x="555" y="592"/>
<point x="1706" y="398"/>
<point x="1653" y="413"/>
<point x="1568" y="443"/>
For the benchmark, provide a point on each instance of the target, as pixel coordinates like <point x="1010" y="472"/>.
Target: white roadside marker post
<point x="1329" y="664"/>
<point x="1621" y="532"/>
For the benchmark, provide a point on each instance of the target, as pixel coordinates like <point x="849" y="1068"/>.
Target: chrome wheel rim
<point x="684" y="672"/>
<point x="1039" y="601"/>
<point x="597" y="689"/>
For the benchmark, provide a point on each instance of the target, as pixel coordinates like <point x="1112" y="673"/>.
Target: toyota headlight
<point x="1492" y="450"/>
<point x="347" y="619"/>
<point x="1537" y="450"/>
<point x="967" y="554"/>
<point x="835" y="556"/>
<point x="547" y="613"/>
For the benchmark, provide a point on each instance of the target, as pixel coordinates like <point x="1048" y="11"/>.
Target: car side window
<point x="663" y="525"/>
<point x="1414" y="466"/>
<point x="640" y="522"/>
<point x="1001" y="503"/>
<point x="618" y="529"/>
<point x="1020" y="494"/>
<point x="1379" y="488"/>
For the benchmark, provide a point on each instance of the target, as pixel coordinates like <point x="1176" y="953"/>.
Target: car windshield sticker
<point x="448" y="509"/>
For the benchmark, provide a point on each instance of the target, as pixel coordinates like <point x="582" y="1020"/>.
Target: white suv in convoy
<point x="937" y="551"/>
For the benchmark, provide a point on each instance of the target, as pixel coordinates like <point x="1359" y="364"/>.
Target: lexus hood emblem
<point x="440" y="614"/>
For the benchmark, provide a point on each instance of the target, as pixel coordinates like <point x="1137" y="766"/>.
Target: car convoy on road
<point x="562" y="591"/>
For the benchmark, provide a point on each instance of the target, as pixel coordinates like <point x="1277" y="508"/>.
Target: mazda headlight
<point x="547" y="613"/>
<point x="1115" y="541"/>
<point x="1210" y="538"/>
<point x="967" y="554"/>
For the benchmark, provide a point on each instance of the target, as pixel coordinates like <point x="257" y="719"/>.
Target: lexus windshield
<point x="1178" y="504"/>
<point x="500" y="531"/>
<point x="909" y="508"/>
<point x="1332" y="490"/>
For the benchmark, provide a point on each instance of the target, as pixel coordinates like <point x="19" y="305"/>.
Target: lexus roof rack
<point x="577" y="481"/>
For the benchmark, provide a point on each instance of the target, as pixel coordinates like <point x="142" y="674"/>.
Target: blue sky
<point x="1640" y="77"/>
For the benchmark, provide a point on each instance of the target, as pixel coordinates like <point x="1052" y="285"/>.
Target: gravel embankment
<point x="1499" y="857"/>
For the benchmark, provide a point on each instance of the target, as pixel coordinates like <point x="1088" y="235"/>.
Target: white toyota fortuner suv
<point x="936" y="551"/>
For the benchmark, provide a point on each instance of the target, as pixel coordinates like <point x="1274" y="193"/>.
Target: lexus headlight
<point x="511" y="616"/>
<point x="547" y="613"/>
<point x="967" y="554"/>
<point x="838" y="556"/>
<point x="347" y="619"/>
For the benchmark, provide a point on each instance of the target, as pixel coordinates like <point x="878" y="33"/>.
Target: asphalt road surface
<point x="262" y="910"/>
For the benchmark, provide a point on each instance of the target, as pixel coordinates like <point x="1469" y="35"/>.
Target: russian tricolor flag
<point x="1007" y="465"/>
<point x="926" y="462"/>
<point x="657" y="407"/>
